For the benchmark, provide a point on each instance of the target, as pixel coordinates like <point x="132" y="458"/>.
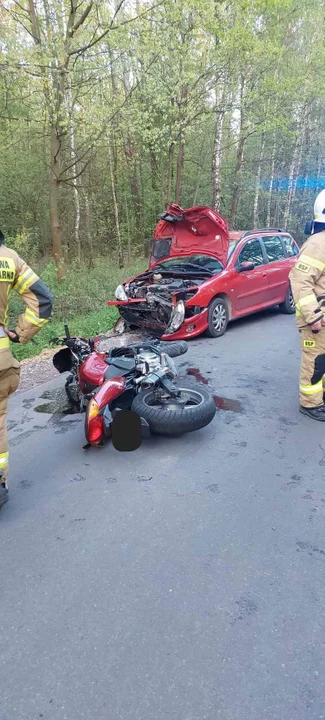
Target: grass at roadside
<point x="80" y="301"/>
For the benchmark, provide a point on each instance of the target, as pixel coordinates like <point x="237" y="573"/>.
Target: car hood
<point x="196" y="230"/>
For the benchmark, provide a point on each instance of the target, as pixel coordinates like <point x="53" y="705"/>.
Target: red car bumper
<point x="190" y="328"/>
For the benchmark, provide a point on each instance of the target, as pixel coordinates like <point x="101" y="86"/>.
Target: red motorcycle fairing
<point x="95" y="423"/>
<point x="92" y="371"/>
<point x="109" y="390"/>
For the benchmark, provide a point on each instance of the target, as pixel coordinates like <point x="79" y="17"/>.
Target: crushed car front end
<point x="162" y="305"/>
<point x="170" y="300"/>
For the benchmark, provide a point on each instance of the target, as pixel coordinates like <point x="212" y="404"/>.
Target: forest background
<point x="111" y="109"/>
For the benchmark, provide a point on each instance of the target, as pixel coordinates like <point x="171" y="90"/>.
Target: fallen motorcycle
<point x="140" y="377"/>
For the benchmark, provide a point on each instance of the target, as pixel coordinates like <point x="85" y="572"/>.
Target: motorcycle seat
<point x="118" y="367"/>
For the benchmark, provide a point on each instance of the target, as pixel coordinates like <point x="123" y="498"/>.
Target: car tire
<point x="288" y="306"/>
<point x="218" y="317"/>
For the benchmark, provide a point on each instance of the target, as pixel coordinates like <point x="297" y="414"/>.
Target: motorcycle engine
<point x="148" y="362"/>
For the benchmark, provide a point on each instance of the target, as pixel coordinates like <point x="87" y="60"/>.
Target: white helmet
<point x="319" y="207"/>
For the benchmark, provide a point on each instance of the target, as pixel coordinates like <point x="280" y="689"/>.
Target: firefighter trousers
<point x="312" y="369"/>
<point x="9" y="381"/>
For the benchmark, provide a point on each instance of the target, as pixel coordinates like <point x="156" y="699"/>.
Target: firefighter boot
<point x="314" y="413"/>
<point x="3" y="492"/>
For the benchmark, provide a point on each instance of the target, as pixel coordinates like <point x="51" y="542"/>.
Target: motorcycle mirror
<point x="67" y="332"/>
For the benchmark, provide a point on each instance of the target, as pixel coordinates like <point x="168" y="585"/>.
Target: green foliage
<point x="80" y="301"/>
<point x="147" y="86"/>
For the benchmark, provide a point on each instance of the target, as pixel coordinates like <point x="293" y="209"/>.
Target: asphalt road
<point x="184" y="581"/>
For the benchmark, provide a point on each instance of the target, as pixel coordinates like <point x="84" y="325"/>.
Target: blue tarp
<point x="301" y="183"/>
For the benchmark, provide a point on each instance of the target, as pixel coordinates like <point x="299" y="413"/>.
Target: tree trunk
<point x="77" y="219"/>
<point x="54" y="198"/>
<point x="75" y="189"/>
<point x="170" y="173"/>
<point x="88" y="230"/>
<point x="116" y="213"/>
<point x="269" y="199"/>
<point x="181" y="147"/>
<point x="155" y="181"/>
<point x="277" y="209"/>
<point x="294" y="167"/>
<point x="72" y="142"/>
<point x="236" y="190"/>
<point x="179" y="173"/>
<point x="134" y="185"/>
<point x="292" y="171"/>
<point x="217" y="151"/>
<point x="128" y="229"/>
<point x="239" y="159"/>
<point x="258" y="183"/>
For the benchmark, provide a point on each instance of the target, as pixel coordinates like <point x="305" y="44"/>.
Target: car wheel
<point x="218" y="317"/>
<point x="288" y="306"/>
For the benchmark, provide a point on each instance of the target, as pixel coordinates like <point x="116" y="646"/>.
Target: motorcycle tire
<point x="74" y="402"/>
<point x="173" y="349"/>
<point x="171" y="420"/>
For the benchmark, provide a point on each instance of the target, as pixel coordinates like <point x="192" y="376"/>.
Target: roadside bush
<point x="80" y="299"/>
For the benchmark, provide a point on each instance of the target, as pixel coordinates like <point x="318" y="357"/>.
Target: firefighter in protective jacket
<point x="307" y="280"/>
<point x="15" y="274"/>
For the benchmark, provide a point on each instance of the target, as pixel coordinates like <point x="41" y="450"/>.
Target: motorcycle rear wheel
<point x="194" y="411"/>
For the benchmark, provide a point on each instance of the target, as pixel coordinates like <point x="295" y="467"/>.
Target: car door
<point x="278" y="267"/>
<point x="250" y="288"/>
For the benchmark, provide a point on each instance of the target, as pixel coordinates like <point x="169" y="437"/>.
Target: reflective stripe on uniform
<point x="306" y="300"/>
<point x="7" y="308"/>
<point x="4" y="459"/>
<point x="4" y="343"/>
<point x="34" y="319"/>
<point x="312" y="389"/>
<point x="312" y="262"/>
<point x="298" y="313"/>
<point x="25" y="281"/>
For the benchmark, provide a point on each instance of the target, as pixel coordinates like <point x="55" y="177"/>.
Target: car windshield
<point x="192" y="263"/>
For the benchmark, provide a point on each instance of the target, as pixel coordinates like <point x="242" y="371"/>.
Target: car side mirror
<point x="246" y="266"/>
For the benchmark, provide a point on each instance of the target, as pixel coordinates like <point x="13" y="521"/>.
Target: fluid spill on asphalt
<point x="58" y="403"/>
<point x="53" y="408"/>
<point x="195" y="372"/>
<point x="222" y="403"/>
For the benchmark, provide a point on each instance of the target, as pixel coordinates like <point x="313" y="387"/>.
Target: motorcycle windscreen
<point x="184" y="232"/>
<point x="62" y="360"/>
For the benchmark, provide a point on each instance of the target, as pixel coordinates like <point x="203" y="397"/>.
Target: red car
<point x="201" y="276"/>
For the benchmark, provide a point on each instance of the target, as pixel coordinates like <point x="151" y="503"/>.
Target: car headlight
<point x="177" y="318"/>
<point x="120" y="293"/>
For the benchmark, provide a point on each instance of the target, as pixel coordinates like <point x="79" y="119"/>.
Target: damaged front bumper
<point x="179" y="326"/>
